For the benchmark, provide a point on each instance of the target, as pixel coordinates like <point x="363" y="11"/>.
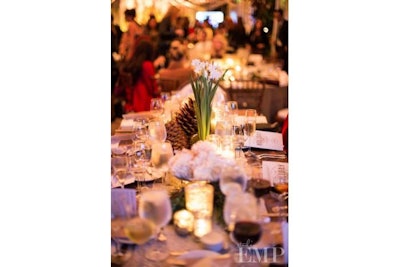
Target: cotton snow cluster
<point x="201" y="162"/>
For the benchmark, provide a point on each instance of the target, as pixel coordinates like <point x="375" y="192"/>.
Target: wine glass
<point x="232" y="175"/>
<point x="232" y="110"/>
<point x="161" y="153"/>
<point x="231" y="202"/>
<point x="140" y="129"/>
<point x="155" y="205"/>
<point x="117" y="231"/>
<point x="120" y="169"/>
<point x="123" y="208"/>
<point x="142" y="155"/>
<point x="247" y="227"/>
<point x="157" y="131"/>
<point x="249" y="127"/>
<point x="259" y="186"/>
<point x="281" y="187"/>
<point x="157" y="106"/>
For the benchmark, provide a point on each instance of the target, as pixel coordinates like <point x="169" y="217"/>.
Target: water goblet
<point x="157" y="106"/>
<point x="142" y="155"/>
<point x="232" y="175"/>
<point x="232" y="110"/>
<point x="161" y="153"/>
<point x="155" y="205"/>
<point x="123" y="208"/>
<point x="157" y="130"/>
<point x="140" y="129"/>
<point x="120" y="168"/>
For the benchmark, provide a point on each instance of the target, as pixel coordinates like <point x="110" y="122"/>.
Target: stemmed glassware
<point x="232" y="175"/>
<point x="123" y="208"/>
<point x="117" y="228"/>
<point x="249" y="127"/>
<point x="140" y="129"/>
<point x="231" y="111"/>
<point x="155" y="205"/>
<point x="247" y="225"/>
<point x="281" y="186"/>
<point x="157" y="106"/>
<point x="142" y="155"/>
<point x="120" y="168"/>
<point x="161" y="153"/>
<point x="157" y="130"/>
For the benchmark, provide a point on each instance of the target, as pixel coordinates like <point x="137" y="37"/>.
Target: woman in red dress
<point x="144" y="86"/>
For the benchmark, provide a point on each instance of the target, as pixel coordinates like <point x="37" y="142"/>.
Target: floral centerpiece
<point x="204" y="85"/>
<point x="200" y="163"/>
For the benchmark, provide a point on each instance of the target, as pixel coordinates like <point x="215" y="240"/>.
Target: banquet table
<point x="267" y="98"/>
<point x="181" y="248"/>
<point x="232" y="255"/>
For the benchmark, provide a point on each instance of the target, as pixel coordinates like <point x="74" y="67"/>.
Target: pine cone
<point x="186" y="118"/>
<point x="177" y="136"/>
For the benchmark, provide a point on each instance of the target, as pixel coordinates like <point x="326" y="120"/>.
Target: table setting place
<point x="209" y="205"/>
<point x="198" y="185"/>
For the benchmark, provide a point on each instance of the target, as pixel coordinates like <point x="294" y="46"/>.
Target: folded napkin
<point x="126" y="124"/>
<point x="123" y="201"/>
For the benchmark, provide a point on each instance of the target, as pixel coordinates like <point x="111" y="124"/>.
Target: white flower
<point x="215" y="71"/>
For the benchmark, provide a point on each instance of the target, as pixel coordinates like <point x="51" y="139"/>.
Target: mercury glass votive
<point x="199" y="199"/>
<point x="183" y="222"/>
<point x="202" y="224"/>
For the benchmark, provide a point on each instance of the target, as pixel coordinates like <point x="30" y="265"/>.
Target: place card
<point x="266" y="140"/>
<point x="123" y="201"/>
<point x="270" y="169"/>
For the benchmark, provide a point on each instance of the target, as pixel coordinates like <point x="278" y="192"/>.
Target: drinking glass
<point x="157" y="131"/>
<point x="117" y="231"/>
<point x="161" y="153"/>
<point x="123" y="208"/>
<point x="231" y="110"/>
<point x="247" y="227"/>
<point x="142" y="155"/>
<point x="155" y="205"/>
<point x="120" y="168"/>
<point x="140" y="129"/>
<point x="281" y="189"/>
<point x="249" y="127"/>
<point x="259" y="186"/>
<point x="157" y="106"/>
<point x="232" y="175"/>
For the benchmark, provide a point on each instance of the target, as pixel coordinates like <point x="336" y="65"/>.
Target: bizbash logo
<point x="248" y="254"/>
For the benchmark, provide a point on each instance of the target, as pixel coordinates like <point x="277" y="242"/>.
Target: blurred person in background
<point x="258" y="39"/>
<point x="127" y="45"/>
<point x="169" y="29"/>
<point x="151" y="30"/>
<point x="178" y="68"/>
<point x="282" y="39"/>
<point x="116" y="33"/>
<point x="141" y="72"/>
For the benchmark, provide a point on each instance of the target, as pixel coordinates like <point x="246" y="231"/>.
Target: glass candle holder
<point x="199" y="198"/>
<point x="183" y="222"/>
